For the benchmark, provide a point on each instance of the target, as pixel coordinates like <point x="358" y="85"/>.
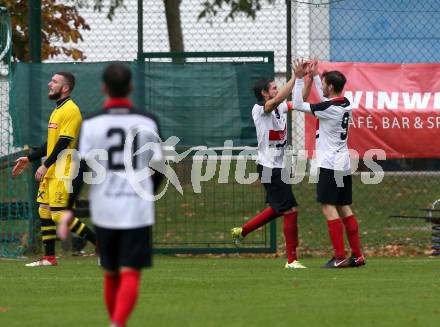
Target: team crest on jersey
<point x="53" y="125"/>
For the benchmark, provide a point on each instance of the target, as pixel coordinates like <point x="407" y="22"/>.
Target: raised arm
<point x="287" y="89"/>
<point x="298" y="101"/>
<point x="307" y="88"/>
<point x="314" y="76"/>
<point x="318" y="87"/>
<point x="271" y="104"/>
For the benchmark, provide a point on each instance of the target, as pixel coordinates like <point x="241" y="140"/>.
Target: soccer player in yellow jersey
<point x="54" y="175"/>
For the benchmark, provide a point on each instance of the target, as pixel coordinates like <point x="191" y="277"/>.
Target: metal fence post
<point x="34" y="80"/>
<point x="140" y="67"/>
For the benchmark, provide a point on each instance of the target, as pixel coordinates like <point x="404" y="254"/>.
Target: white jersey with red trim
<point x="116" y="201"/>
<point x="332" y="130"/>
<point x="332" y="133"/>
<point x="271" y="134"/>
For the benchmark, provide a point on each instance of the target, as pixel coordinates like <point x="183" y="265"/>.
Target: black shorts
<point x="125" y="247"/>
<point x="279" y="195"/>
<point x="327" y="190"/>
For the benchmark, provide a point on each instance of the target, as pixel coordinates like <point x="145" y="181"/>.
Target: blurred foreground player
<point x="122" y="215"/>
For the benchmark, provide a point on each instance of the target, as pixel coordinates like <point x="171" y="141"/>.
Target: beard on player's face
<point x="325" y="89"/>
<point x="55" y="95"/>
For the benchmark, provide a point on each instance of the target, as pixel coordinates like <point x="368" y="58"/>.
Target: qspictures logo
<point x="155" y="155"/>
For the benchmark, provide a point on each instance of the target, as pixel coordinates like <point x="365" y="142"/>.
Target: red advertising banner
<point x="396" y="108"/>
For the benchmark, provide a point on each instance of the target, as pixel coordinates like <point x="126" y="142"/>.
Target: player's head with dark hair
<point x="117" y="80"/>
<point x="333" y="83"/>
<point x="265" y="89"/>
<point x="61" y="85"/>
<point x="69" y="79"/>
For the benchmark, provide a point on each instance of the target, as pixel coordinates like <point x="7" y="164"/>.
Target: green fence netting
<point x="16" y="232"/>
<point x="203" y="102"/>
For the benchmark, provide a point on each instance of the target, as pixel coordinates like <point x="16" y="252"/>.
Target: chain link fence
<point x="345" y="31"/>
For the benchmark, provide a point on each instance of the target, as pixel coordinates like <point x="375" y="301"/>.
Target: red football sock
<point x="352" y="231"/>
<point x="291" y="235"/>
<point x="111" y="285"/>
<point x="336" y="231"/>
<point x="126" y="297"/>
<point x="259" y="220"/>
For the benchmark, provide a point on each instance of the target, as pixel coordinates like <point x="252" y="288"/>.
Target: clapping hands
<point x="302" y="67"/>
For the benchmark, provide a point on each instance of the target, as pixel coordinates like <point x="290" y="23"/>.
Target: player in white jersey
<point x="334" y="189"/>
<point x="122" y="216"/>
<point x="271" y="125"/>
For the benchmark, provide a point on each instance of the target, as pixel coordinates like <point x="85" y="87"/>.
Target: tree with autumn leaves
<point x="62" y="24"/>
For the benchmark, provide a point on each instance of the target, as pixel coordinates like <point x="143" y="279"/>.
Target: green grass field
<point x="201" y="291"/>
<point x="204" y="220"/>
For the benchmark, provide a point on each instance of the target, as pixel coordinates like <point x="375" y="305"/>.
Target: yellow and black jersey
<point x="65" y="121"/>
